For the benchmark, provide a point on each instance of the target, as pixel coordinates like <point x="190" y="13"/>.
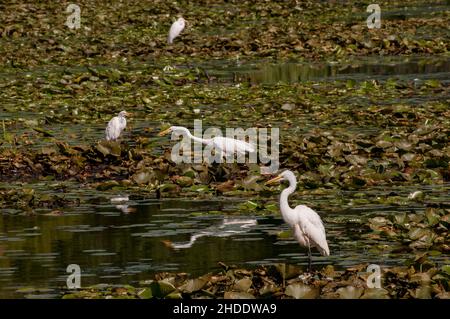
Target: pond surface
<point x="358" y="69"/>
<point x="119" y="241"/>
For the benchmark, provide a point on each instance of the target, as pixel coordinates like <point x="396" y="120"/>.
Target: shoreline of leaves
<point x="283" y="281"/>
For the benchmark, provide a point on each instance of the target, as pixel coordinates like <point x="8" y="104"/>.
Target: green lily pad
<point x="162" y="288"/>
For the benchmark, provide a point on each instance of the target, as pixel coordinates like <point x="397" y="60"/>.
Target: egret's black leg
<point x="310" y="258"/>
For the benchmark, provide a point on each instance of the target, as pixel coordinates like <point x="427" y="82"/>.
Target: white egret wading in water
<point x="115" y="126"/>
<point x="305" y="222"/>
<point x="226" y="145"/>
<point x="176" y="29"/>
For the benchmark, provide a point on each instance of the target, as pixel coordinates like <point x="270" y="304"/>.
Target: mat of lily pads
<point x="59" y="87"/>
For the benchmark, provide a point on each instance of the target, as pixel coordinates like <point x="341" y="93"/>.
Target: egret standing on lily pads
<point x="176" y="29"/>
<point x="305" y="222"/>
<point x="116" y="125"/>
<point x="225" y="145"/>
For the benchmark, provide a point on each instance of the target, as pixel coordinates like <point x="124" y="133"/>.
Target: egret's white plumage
<point x="226" y="145"/>
<point x="306" y="223"/>
<point x="175" y="29"/>
<point x="115" y="126"/>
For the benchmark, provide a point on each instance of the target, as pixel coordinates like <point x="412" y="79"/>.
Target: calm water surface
<point x="123" y="242"/>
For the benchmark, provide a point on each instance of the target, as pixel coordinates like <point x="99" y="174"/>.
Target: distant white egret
<point x="116" y="125"/>
<point x="305" y="222"/>
<point x="227" y="146"/>
<point x="416" y="195"/>
<point x="120" y="199"/>
<point x="176" y="29"/>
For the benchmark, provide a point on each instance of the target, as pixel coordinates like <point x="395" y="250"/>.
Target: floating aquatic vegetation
<point x="282" y="281"/>
<point x="274" y="30"/>
<point x="26" y="199"/>
<point x="59" y="87"/>
<point x="419" y="231"/>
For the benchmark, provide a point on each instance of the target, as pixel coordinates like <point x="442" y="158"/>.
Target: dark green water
<point x="124" y="244"/>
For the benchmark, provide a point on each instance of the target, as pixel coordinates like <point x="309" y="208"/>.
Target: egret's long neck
<point x="197" y="139"/>
<point x="284" y="202"/>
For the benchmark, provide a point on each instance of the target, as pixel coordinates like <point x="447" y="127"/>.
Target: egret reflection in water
<point x="228" y="227"/>
<point x="122" y="204"/>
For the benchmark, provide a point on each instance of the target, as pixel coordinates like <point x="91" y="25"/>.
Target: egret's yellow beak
<point x="128" y="114"/>
<point x="165" y="132"/>
<point x="274" y="180"/>
<point x="167" y="243"/>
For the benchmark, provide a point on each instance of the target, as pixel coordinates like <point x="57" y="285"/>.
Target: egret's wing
<point x="218" y="142"/>
<point x="123" y="123"/>
<point x="307" y="213"/>
<point x="175" y="31"/>
<point x="231" y="145"/>
<point x="113" y="129"/>
<point x="312" y="226"/>
<point x="318" y="238"/>
<point x="300" y="236"/>
<point x="243" y="147"/>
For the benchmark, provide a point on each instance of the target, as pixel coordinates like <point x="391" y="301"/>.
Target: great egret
<point x="226" y="145"/>
<point x="305" y="222"/>
<point x="176" y="29"/>
<point x="116" y="125"/>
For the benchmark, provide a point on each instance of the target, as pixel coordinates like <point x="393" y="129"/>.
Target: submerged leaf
<point x="375" y="293"/>
<point x="242" y="285"/>
<point x="238" y="295"/>
<point x="350" y="292"/>
<point x="302" y="291"/>
<point x="196" y="284"/>
<point x="161" y="288"/>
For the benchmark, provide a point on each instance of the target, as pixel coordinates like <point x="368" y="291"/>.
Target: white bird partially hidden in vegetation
<point x="306" y="223"/>
<point x="176" y="29"/>
<point x="226" y="145"/>
<point x="116" y="125"/>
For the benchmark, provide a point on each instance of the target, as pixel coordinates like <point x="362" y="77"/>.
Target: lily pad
<point x="301" y="291"/>
<point x="238" y="295"/>
<point x="350" y="292"/>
